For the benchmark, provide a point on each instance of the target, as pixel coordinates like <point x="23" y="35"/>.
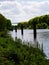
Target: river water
<point x="42" y="38"/>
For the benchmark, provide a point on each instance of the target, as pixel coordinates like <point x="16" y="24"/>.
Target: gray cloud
<point x="44" y="7"/>
<point x="6" y="0"/>
<point x="21" y="11"/>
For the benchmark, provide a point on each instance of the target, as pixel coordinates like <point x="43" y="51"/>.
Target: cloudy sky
<point x="23" y="10"/>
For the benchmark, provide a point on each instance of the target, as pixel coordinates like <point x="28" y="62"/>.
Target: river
<point x="42" y="37"/>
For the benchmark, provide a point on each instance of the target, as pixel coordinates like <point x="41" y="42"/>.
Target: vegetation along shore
<point x="16" y="52"/>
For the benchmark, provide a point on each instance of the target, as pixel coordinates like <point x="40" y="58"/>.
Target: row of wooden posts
<point x="34" y="28"/>
<point x="35" y="34"/>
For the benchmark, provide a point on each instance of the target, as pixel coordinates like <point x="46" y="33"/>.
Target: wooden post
<point x="16" y="29"/>
<point x="22" y="32"/>
<point x="34" y="27"/>
<point x="22" y="29"/>
<point x="16" y="32"/>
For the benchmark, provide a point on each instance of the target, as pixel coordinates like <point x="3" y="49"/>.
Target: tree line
<point x="5" y="24"/>
<point x="42" y="22"/>
<point x="16" y="52"/>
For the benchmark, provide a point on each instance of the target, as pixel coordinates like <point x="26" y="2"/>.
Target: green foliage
<point x="4" y="23"/>
<point x="8" y="24"/>
<point x="17" y="53"/>
<point x="42" y="22"/>
<point x="41" y="26"/>
<point x="25" y="25"/>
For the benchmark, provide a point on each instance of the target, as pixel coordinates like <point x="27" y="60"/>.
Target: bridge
<point x="14" y="24"/>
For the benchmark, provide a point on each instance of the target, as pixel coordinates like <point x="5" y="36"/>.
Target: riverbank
<point x="17" y="53"/>
<point x="42" y="38"/>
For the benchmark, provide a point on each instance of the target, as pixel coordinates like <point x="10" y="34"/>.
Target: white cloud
<point x="20" y="11"/>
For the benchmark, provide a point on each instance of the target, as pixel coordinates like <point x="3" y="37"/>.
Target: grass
<point x="17" y="53"/>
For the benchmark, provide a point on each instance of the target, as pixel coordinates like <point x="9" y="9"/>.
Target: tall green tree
<point x="8" y="24"/>
<point x="2" y="22"/>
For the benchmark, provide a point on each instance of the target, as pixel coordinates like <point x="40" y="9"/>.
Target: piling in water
<point x="22" y="29"/>
<point x="34" y="28"/>
<point x="16" y="29"/>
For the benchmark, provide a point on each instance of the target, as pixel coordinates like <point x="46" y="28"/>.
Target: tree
<point x="2" y="22"/>
<point x="8" y="24"/>
<point x="41" y="26"/>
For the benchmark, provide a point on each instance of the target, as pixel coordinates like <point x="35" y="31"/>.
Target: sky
<point x="23" y="10"/>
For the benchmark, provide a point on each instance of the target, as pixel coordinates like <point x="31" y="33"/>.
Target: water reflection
<point x="42" y="37"/>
